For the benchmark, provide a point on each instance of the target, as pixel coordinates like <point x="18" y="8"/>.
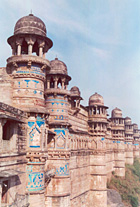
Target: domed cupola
<point x="128" y="129"/>
<point x="30" y="37"/>
<point x="116" y="113"/>
<point x="30" y="25"/>
<point x="75" y="96"/>
<point x="58" y="67"/>
<point x="128" y="121"/>
<point x="97" y="114"/>
<point x="75" y="91"/>
<point x="117" y="123"/>
<point x="57" y="78"/>
<point x="96" y="99"/>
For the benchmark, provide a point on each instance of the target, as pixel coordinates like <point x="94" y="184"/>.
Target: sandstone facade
<point x="54" y="152"/>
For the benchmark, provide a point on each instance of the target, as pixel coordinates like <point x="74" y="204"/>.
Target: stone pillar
<point x="30" y="41"/>
<point x="19" y="49"/>
<point x="41" y="44"/>
<point x="55" y="82"/>
<point x="48" y="83"/>
<point x="30" y="47"/>
<point x="19" y="43"/>
<point x="63" y="81"/>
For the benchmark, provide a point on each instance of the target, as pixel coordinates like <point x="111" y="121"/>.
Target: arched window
<point x="36" y="48"/>
<point x="51" y="83"/>
<point x="24" y="48"/>
<point x="59" y="83"/>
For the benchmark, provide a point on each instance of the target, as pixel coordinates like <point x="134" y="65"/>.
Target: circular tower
<point x="56" y="97"/>
<point x="97" y="129"/>
<point x="136" y="140"/>
<point x="117" y="128"/>
<point x="129" y="140"/>
<point x="27" y="67"/>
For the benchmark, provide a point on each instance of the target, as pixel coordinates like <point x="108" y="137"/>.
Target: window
<point x="7" y="131"/>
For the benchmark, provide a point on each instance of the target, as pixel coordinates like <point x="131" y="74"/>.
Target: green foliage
<point x="133" y="200"/>
<point x="128" y="187"/>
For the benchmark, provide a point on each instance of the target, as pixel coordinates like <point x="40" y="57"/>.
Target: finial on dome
<point x="31" y="14"/>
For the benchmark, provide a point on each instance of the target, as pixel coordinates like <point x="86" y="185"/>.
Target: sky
<point x="98" y="40"/>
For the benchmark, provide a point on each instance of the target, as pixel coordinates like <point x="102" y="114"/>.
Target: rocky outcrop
<point x="114" y="199"/>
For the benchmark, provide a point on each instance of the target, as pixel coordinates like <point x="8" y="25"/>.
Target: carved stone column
<point x="30" y="41"/>
<point x="41" y="45"/>
<point x="19" y="43"/>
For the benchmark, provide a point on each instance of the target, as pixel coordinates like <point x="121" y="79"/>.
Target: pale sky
<point x="99" y="41"/>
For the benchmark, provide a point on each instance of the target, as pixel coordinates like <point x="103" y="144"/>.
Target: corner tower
<point x="27" y="67"/>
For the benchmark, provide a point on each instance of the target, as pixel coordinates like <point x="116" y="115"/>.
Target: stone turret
<point x="97" y="129"/>
<point x="129" y="140"/>
<point x="56" y="97"/>
<point x="117" y="128"/>
<point x="136" y="140"/>
<point x="27" y="67"/>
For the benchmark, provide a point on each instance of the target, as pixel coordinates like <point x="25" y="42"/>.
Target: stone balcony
<point x="57" y="91"/>
<point x="27" y="58"/>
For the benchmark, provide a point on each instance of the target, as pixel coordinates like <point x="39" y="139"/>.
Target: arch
<point x="24" y="47"/>
<point x="51" y="82"/>
<point x="36" y="48"/>
<point x="59" y="83"/>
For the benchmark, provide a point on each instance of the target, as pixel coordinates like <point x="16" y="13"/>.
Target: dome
<point x="116" y="113"/>
<point x="127" y="121"/>
<point x="135" y="126"/>
<point x="96" y="99"/>
<point x="57" y="67"/>
<point x="75" y="91"/>
<point x="30" y="24"/>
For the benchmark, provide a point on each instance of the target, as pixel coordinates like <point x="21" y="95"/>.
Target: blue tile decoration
<point x="55" y="100"/>
<point x="35" y="132"/>
<point x="102" y="138"/>
<point x="27" y="81"/>
<point x="61" y="139"/>
<point x="35" y="181"/>
<point x="63" y="170"/>
<point x="30" y="72"/>
<point x="36" y="82"/>
<point x="35" y="91"/>
<point x="19" y="84"/>
<point x="60" y="117"/>
<point x="29" y="168"/>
